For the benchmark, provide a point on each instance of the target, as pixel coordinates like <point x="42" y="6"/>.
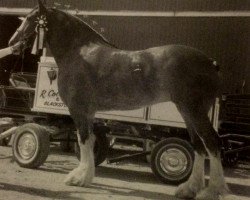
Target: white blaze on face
<point x="22" y="25"/>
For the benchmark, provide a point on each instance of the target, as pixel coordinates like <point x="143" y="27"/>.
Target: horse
<point x="94" y="75"/>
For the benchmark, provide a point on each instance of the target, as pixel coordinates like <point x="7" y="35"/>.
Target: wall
<point x="226" y="39"/>
<point x="144" y="5"/>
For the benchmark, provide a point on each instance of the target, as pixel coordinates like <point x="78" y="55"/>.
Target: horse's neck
<point x="66" y="37"/>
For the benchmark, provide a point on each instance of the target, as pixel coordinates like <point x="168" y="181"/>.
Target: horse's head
<point x="29" y="25"/>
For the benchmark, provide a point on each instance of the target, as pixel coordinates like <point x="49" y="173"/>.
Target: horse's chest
<point x="71" y="86"/>
<point x="62" y="85"/>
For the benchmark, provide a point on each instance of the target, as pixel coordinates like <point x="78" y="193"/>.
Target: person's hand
<point x="16" y="48"/>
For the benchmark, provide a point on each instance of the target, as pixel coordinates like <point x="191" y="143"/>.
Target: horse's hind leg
<point x="84" y="173"/>
<point x="196" y="181"/>
<point x="217" y="187"/>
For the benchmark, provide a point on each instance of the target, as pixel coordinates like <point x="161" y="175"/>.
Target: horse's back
<point x="154" y="74"/>
<point x="184" y="71"/>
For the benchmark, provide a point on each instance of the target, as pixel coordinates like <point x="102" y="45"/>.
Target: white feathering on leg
<point x="196" y="181"/>
<point x="85" y="172"/>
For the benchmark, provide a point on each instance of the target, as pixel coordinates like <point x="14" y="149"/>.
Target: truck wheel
<point x="100" y="149"/>
<point x="31" y="145"/>
<point x="172" y="160"/>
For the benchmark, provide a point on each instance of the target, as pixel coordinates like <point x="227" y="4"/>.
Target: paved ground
<point x="128" y="180"/>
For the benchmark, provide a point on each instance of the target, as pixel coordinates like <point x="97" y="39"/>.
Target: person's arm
<point x="5" y="52"/>
<point x="15" y="49"/>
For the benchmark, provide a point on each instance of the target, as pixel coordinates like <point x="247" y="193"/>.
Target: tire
<point x="100" y="149"/>
<point x="178" y="160"/>
<point x="31" y="145"/>
<point x="5" y="141"/>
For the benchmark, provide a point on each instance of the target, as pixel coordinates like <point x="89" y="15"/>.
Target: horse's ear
<point x="41" y="7"/>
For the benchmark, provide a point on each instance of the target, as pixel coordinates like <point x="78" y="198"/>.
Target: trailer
<point x="35" y="115"/>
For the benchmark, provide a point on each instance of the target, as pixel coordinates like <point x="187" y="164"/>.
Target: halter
<point x="23" y="39"/>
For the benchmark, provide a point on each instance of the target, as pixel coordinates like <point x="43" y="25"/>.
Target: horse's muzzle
<point x="17" y="47"/>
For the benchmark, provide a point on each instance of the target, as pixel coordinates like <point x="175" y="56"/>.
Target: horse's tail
<point x="217" y="81"/>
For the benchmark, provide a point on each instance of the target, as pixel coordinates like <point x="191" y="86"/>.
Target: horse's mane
<point x="80" y="21"/>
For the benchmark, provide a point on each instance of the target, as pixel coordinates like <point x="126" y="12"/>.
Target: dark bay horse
<point x="96" y="76"/>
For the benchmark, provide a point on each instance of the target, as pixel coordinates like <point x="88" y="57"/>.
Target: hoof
<point x="187" y="191"/>
<point x="79" y="177"/>
<point x="212" y="193"/>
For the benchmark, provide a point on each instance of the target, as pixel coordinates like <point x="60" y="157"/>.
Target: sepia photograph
<point x="124" y="99"/>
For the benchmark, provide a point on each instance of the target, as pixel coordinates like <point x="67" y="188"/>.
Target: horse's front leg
<point x="84" y="173"/>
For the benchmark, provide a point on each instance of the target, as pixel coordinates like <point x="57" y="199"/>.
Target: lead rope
<point x="22" y="64"/>
<point x="17" y="61"/>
